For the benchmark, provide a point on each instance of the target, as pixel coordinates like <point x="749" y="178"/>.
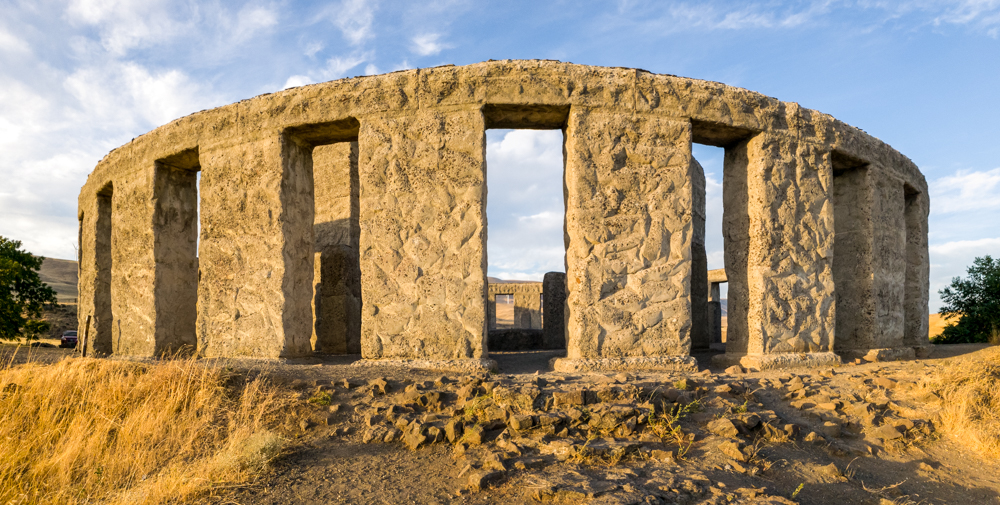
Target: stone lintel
<point x="654" y="363"/>
<point x="772" y="361"/>
<point x="457" y="365"/>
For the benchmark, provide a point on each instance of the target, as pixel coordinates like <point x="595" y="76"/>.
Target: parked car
<point x="68" y="339"/>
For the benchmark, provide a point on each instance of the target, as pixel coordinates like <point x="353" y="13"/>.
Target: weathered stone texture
<point x="825" y="226"/>
<point x="554" y="310"/>
<point x="789" y="273"/>
<point x="700" y="338"/>
<point x="423" y="261"/>
<point x="256" y="214"/>
<point x="630" y="227"/>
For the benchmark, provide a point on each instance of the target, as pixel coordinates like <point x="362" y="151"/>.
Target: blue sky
<point x="80" y="78"/>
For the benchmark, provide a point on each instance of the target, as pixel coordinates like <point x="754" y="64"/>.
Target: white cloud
<point x="966" y="191"/>
<point x="354" y="19"/>
<point x="10" y="43"/>
<point x="371" y="69"/>
<point x="524" y="204"/>
<point x="428" y="44"/>
<point x="296" y="81"/>
<point x="312" y="48"/>
<point x="252" y="20"/>
<point x="127" y="24"/>
<point x="131" y="95"/>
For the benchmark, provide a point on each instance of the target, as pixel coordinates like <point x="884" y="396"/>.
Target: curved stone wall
<point x="385" y="177"/>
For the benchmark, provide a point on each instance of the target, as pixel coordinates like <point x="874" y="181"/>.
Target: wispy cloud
<point x="966" y="191"/>
<point x="428" y="44"/>
<point x="354" y="19"/>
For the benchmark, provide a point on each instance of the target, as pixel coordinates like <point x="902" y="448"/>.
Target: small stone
<point x="735" y="370"/>
<point x="473" y="435"/>
<point x="831" y="429"/>
<point x="622" y="378"/>
<point x="813" y="437"/>
<point x="925" y="467"/>
<point x="453" y="430"/>
<point x="887" y="432"/>
<point x="661" y="455"/>
<point x="723" y="427"/>
<point x="530" y="463"/>
<point x="830" y="470"/>
<point x="520" y="422"/>
<point x="304" y="424"/>
<point x="493" y="461"/>
<point x="334" y="408"/>
<point x="379" y="386"/>
<point x="884" y="383"/>
<point x="577" y="397"/>
<point x="732" y="450"/>
<point x="481" y="480"/>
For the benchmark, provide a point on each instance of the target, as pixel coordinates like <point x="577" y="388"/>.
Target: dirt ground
<point x="850" y="434"/>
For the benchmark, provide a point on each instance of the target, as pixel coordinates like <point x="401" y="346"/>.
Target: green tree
<point x="22" y="293"/>
<point x="975" y="302"/>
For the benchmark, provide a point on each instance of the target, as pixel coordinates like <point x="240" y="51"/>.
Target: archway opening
<point x="526" y="248"/>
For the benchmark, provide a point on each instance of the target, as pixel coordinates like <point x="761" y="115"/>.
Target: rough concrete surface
<point x="349" y="216"/>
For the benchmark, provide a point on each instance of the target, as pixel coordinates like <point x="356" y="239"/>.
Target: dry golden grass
<point x="970" y="402"/>
<point x="936" y="324"/>
<point x="86" y="430"/>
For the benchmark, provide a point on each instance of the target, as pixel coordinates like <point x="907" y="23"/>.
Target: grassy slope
<point x="60" y="275"/>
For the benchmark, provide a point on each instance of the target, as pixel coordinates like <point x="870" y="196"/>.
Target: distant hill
<point x="494" y="280"/>
<point x="60" y="275"/>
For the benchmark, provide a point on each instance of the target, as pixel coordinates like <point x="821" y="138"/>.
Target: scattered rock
<point x="561" y="398"/>
<point x="480" y="480"/>
<point x="724" y="428"/>
<point x="887" y="432"/>
<point x="379" y="386"/>
<point x="732" y="450"/>
<point x="735" y="370"/>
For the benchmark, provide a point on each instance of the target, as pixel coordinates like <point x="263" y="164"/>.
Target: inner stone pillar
<point x="337" y="275"/>
<point x="778" y="226"/>
<point x="527" y="309"/>
<point x="95" y="273"/>
<point x="630" y="232"/>
<point x="422" y="252"/>
<point x="700" y="337"/>
<point x="917" y="269"/>
<point x="553" y="311"/>
<point x="256" y="251"/>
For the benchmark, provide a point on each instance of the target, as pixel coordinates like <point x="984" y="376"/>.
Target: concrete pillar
<point x="700" y="337"/>
<point x="917" y="269"/>
<point x="422" y="252"/>
<point x="337" y="273"/>
<point x="528" y="309"/>
<point x="630" y="227"/>
<point x="491" y="310"/>
<point x="256" y="250"/>
<point x="95" y="264"/>
<point x="778" y="225"/>
<point x="553" y="312"/>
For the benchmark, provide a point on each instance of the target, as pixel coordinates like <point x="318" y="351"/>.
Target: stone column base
<point x="886" y="354"/>
<point x="771" y="361"/>
<point x="653" y="363"/>
<point x="457" y="365"/>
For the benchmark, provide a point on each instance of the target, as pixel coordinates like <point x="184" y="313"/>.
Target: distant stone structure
<point x="363" y="201"/>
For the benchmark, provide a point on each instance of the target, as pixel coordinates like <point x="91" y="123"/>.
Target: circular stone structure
<point x="350" y="217"/>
